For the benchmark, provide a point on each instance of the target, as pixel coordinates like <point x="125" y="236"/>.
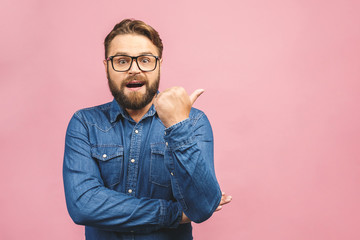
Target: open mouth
<point x="135" y="84"/>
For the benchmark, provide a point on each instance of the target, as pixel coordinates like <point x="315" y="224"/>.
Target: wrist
<point x="171" y="122"/>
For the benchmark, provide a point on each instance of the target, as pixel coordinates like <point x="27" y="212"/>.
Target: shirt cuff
<point x="170" y="214"/>
<point x="179" y="134"/>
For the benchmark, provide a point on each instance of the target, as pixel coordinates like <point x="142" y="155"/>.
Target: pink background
<point x="282" y="93"/>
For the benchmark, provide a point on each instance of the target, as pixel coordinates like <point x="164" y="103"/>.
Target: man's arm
<point x="90" y="203"/>
<point x="189" y="156"/>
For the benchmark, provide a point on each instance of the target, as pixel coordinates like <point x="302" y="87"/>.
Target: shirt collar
<point x="117" y="110"/>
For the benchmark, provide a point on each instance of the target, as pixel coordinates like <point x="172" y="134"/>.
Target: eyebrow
<point x="125" y="53"/>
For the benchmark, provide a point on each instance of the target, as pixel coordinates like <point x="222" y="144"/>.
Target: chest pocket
<point x="159" y="174"/>
<point x="110" y="159"/>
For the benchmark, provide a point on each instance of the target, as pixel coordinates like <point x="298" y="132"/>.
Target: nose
<point x="134" y="68"/>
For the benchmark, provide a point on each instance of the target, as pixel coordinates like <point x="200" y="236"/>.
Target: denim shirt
<point x="128" y="180"/>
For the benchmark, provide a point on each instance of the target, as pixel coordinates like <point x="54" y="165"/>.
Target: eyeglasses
<point x="122" y="63"/>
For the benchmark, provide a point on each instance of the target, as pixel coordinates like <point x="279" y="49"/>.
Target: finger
<point x="218" y="208"/>
<point x="157" y="95"/>
<point x="195" y="95"/>
<point x="155" y="101"/>
<point x="224" y="203"/>
<point x="225" y="200"/>
<point x="222" y="200"/>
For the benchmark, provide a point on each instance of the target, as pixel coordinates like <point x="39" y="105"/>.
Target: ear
<point x="105" y="65"/>
<point x="161" y="60"/>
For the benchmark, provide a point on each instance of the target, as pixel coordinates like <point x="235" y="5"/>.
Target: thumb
<point x="195" y="95"/>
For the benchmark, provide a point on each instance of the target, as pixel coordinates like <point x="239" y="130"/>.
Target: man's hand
<point x="225" y="199"/>
<point x="184" y="219"/>
<point x="173" y="105"/>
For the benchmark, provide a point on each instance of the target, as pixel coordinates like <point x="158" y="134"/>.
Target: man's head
<point x="133" y="81"/>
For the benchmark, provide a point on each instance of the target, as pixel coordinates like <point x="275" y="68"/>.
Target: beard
<point x="134" y="100"/>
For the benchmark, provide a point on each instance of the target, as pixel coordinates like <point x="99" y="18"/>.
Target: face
<point x="133" y="89"/>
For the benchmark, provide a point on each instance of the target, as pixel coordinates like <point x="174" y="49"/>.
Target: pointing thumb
<point x="195" y="95"/>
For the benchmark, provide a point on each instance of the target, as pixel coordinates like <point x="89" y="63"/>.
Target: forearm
<point x="190" y="161"/>
<point x="110" y="210"/>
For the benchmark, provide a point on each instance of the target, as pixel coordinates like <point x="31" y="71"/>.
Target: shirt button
<point x="166" y="143"/>
<point x="165" y="133"/>
<point x="132" y="160"/>
<point x="172" y="174"/>
<point x="129" y="191"/>
<point x="136" y="131"/>
<point x="104" y="156"/>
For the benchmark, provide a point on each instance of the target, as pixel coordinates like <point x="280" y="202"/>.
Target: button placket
<point x="133" y="164"/>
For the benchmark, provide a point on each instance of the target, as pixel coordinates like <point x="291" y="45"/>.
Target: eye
<point x="122" y="61"/>
<point x="145" y="60"/>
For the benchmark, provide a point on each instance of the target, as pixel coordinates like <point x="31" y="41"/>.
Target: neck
<point x="137" y="114"/>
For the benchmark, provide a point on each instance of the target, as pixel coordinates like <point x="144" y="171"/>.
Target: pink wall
<point x="282" y="93"/>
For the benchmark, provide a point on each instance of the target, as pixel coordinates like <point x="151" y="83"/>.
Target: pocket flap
<point x="106" y="152"/>
<point x="158" y="148"/>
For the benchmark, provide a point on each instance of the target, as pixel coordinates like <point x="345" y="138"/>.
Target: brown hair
<point x="132" y="26"/>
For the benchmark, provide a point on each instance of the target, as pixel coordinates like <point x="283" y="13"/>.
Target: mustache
<point x="138" y="78"/>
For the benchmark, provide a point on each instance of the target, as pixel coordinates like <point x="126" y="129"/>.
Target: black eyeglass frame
<point x="132" y="60"/>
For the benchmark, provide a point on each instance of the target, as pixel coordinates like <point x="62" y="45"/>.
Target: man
<point x="141" y="166"/>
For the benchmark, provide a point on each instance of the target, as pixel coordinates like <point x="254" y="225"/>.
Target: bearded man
<point x="141" y="166"/>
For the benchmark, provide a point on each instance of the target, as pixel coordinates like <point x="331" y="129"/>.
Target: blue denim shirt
<point x="128" y="180"/>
